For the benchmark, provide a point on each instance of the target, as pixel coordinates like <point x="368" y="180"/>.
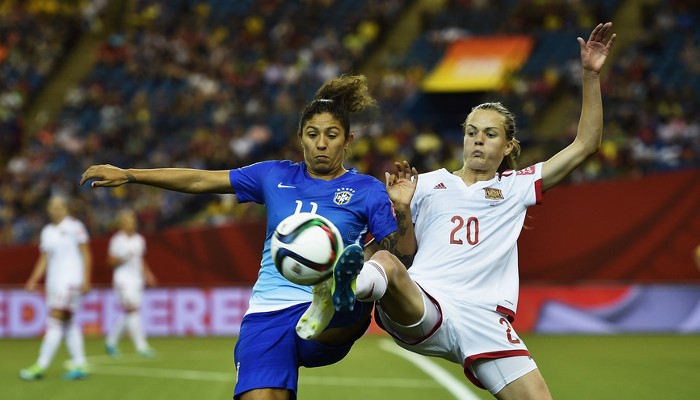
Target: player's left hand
<point x="595" y="51"/>
<point x="402" y="184"/>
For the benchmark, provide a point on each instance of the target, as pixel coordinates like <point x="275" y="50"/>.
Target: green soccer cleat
<point x="32" y="373"/>
<point x="316" y="318"/>
<point x="345" y="271"/>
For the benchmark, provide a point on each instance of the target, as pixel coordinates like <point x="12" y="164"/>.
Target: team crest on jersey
<point x="343" y="196"/>
<point x="493" y="193"/>
<point x="526" y="171"/>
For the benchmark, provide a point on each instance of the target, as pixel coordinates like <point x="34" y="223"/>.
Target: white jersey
<point x="130" y="249"/>
<point x="467" y="235"/>
<point x="61" y="244"/>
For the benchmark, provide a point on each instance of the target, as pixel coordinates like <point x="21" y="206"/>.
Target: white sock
<point x="133" y="325"/>
<point x="116" y="333"/>
<point x="76" y="344"/>
<point x="52" y="339"/>
<point x="371" y="283"/>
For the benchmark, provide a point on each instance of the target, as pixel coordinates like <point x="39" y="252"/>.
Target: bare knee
<point x="403" y="300"/>
<point x="392" y="266"/>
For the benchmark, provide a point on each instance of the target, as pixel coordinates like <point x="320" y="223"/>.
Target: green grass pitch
<point x="575" y="367"/>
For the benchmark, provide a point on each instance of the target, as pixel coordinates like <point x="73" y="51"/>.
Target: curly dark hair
<point x="339" y="97"/>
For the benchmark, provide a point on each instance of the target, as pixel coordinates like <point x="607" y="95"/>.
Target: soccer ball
<point x="304" y="247"/>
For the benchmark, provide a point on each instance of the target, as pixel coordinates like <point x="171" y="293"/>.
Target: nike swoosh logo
<point x="281" y="186"/>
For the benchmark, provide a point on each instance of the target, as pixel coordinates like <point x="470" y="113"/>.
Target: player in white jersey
<point x="460" y="294"/>
<point x="66" y="262"/>
<point x="126" y="252"/>
<point x="286" y="325"/>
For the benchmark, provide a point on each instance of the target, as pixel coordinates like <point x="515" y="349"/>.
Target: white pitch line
<point x="444" y="378"/>
<point x="230" y="377"/>
<point x="163" y="373"/>
<point x="123" y="358"/>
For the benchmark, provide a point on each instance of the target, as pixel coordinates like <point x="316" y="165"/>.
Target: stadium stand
<point x="33" y="39"/>
<point x="218" y="84"/>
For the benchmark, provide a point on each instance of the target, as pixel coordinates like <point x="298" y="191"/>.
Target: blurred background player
<point x="131" y="275"/>
<point x="66" y="261"/>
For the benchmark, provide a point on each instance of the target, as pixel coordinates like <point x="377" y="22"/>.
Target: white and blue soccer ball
<point x="304" y="247"/>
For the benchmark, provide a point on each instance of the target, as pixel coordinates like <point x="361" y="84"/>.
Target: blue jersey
<point x="357" y="204"/>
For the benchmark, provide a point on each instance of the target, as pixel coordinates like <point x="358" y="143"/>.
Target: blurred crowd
<point x="33" y="40"/>
<point x="219" y="84"/>
<point x="652" y="97"/>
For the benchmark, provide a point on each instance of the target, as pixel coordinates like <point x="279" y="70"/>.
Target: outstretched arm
<point x="594" y="52"/>
<point x="177" y="179"/>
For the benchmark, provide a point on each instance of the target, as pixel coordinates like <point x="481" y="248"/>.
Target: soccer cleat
<point x="32" y="373"/>
<point x="112" y="350"/>
<point x="76" y="374"/>
<point x="316" y="318"/>
<point x="148" y="352"/>
<point x="345" y="271"/>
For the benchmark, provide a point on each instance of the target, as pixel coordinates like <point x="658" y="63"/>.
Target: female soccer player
<point x="131" y="275"/>
<point x="460" y="295"/>
<point x="271" y="344"/>
<point x="66" y="261"/>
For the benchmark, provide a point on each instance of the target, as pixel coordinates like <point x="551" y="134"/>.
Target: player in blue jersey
<point x="271" y="344"/>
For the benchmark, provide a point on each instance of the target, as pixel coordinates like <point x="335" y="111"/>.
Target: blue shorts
<point x="268" y="353"/>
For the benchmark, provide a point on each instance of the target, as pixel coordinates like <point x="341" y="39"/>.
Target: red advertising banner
<point x="223" y="255"/>
<point x="628" y="230"/>
<point x="622" y="231"/>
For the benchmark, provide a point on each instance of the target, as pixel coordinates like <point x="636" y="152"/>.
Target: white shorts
<point x="64" y="297"/>
<point x="467" y="335"/>
<point x="129" y="295"/>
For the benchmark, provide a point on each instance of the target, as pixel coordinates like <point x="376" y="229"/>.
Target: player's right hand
<point x="104" y="175"/>
<point x="401" y="184"/>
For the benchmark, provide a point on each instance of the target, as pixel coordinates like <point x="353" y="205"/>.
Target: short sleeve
<point x="529" y="184"/>
<point x="382" y="221"/>
<point x="247" y="181"/>
<point x="81" y="233"/>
